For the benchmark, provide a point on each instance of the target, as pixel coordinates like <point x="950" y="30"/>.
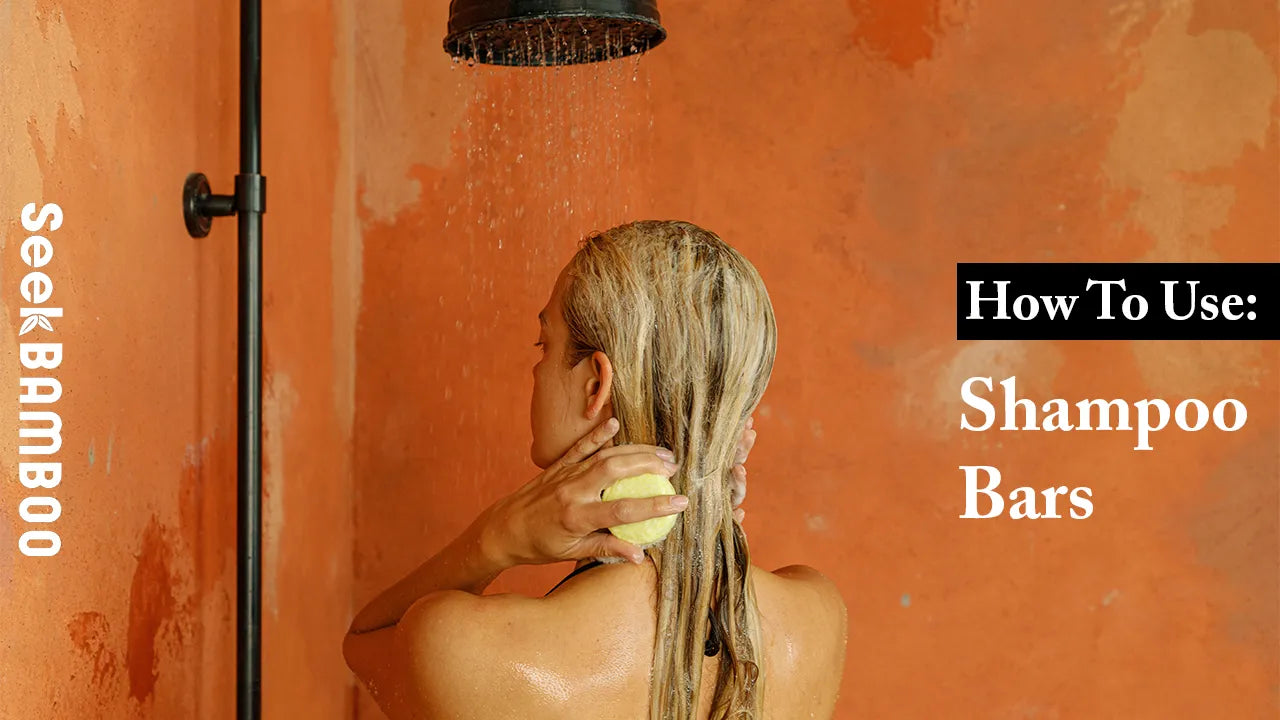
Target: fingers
<point x="745" y="443"/>
<point x="589" y="443"/>
<point x="605" y="544"/>
<point x="738" y="491"/>
<point x="739" y="515"/>
<point x="606" y="470"/>
<point x="599" y="442"/>
<point x="661" y="452"/>
<point x="629" y="510"/>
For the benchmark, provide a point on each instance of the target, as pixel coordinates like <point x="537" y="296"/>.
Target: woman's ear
<point x="599" y="385"/>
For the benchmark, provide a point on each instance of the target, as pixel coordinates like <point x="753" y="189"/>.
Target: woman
<point x="655" y="332"/>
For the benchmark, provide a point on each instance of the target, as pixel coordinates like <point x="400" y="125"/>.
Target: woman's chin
<point x="537" y="458"/>
<point x="544" y="457"/>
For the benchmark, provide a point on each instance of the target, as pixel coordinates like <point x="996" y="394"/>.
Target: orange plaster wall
<point x="107" y="107"/>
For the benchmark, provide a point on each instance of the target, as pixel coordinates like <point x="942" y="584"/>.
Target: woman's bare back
<point x="585" y="650"/>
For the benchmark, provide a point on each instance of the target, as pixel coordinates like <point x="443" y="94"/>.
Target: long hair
<point x="689" y="328"/>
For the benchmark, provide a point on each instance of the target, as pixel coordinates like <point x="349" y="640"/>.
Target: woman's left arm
<point x="468" y="563"/>
<point x="376" y="648"/>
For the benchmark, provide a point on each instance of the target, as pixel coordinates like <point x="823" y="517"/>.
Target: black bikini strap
<point x="584" y="568"/>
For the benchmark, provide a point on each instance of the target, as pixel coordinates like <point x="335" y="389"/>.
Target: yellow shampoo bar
<point x="645" y="532"/>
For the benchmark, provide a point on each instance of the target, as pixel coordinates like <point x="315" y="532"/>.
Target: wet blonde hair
<point x="690" y="332"/>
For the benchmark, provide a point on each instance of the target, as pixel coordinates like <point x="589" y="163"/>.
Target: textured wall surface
<point x="107" y="107"/>
<point x="418" y="212"/>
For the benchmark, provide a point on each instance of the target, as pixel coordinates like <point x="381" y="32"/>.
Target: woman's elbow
<point x="349" y="651"/>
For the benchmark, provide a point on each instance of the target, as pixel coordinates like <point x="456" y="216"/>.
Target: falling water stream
<point x="552" y="152"/>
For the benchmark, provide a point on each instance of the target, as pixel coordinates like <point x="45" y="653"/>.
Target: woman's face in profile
<point x="567" y="402"/>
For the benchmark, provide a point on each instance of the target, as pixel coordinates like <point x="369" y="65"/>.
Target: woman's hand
<point x="740" y="470"/>
<point x="559" y="514"/>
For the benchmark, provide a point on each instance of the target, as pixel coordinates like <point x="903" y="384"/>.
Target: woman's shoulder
<point x="804" y="626"/>
<point x="800" y="603"/>
<point x="806" y="584"/>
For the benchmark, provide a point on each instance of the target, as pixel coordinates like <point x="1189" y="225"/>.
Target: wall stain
<point x="405" y="80"/>
<point x="936" y="410"/>
<point x="1213" y="92"/>
<point x="151" y="606"/>
<point x="277" y="407"/>
<point x="89" y="631"/>
<point x="207" y="516"/>
<point x="43" y="84"/>
<point x="903" y="32"/>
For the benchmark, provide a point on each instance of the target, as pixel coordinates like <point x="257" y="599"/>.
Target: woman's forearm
<point x="470" y="562"/>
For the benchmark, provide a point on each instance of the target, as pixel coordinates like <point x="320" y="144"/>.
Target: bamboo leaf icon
<point x="44" y="322"/>
<point x="29" y="324"/>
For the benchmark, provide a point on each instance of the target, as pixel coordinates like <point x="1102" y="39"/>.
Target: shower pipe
<point x="199" y="207"/>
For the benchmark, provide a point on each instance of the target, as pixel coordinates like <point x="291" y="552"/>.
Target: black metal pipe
<point x="250" y="85"/>
<point x="250" y="203"/>
<point x="249" y="470"/>
<point x="199" y="207"/>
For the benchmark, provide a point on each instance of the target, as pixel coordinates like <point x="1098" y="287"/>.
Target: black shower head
<point x="551" y="32"/>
